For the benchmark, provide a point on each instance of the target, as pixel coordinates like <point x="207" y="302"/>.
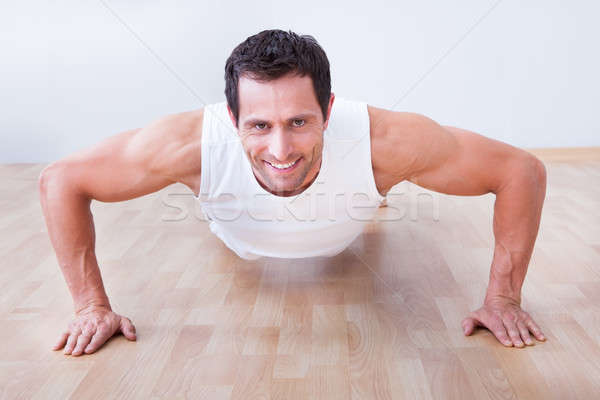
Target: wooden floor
<point x="379" y="321"/>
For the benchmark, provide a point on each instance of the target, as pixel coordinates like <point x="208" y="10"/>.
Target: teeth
<point x="283" y="166"/>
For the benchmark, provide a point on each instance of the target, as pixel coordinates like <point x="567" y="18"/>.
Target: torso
<point x="320" y="221"/>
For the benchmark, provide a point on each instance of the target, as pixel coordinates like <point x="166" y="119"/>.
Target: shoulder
<point x="182" y="126"/>
<point x="174" y="142"/>
<point x="398" y="127"/>
<point x="391" y="139"/>
<point x="401" y="143"/>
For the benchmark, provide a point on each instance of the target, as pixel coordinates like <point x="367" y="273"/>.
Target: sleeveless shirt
<point x="321" y="221"/>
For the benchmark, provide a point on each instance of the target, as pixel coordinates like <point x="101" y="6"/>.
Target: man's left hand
<point x="506" y="320"/>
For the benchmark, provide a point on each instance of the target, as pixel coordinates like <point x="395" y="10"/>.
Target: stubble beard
<point x="289" y="185"/>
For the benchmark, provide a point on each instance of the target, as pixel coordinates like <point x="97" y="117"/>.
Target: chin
<point x="283" y="188"/>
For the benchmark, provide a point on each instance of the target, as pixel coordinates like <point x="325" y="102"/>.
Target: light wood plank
<point x="381" y="320"/>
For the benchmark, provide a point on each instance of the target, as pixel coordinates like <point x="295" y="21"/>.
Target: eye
<point x="301" y="120"/>
<point x="260" y="125"/>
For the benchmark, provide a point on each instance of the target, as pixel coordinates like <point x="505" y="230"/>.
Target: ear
<point x="331" y="99"/>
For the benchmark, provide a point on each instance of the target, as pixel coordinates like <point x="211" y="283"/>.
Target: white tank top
<point x="321" y="221"/>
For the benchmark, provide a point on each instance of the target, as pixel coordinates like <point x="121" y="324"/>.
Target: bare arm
<point x="479" y="165"/>
<point x="459" y="162"/>
<point x="122" y="167"/>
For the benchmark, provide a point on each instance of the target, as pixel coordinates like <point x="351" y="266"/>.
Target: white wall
<point x="71" y="73"/>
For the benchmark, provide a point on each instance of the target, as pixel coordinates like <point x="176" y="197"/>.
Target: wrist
<point x="96" y="302"/>
<point x="495" y="297"/>
<point x="504" y="285"/>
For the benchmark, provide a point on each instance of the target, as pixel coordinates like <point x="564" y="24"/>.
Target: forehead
<point x="277" y="98"/>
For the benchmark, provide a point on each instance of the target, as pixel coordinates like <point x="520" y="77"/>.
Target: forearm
<point x="71" y="230"/>
<point x="517" y="213"/>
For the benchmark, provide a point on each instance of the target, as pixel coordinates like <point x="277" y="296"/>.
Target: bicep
<point x="456" y="161"/>
<point x="124" y="166"/>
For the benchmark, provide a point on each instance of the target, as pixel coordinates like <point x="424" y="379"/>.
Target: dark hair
<point x="271" y="54"/>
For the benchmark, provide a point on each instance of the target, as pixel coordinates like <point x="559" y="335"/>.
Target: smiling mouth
<point x="283" y="167"/>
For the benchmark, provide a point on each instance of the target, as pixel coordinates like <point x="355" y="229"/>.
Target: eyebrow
<point x="254" y="121"/>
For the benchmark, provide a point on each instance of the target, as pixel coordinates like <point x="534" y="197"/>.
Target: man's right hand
<point x="91" y="328"/>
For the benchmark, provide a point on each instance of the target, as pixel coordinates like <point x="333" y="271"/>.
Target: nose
<point x="281" y="146"/>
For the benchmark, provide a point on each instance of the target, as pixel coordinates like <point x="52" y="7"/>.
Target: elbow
<point x="542" y="178"/>
<point x="58" y="180"/>
<point x="51" y="177"/>
<point x="535" y="172"/>
<point x="539" y="171"/>
<point x="525" y="170"/>
<point x="44" y="178"/>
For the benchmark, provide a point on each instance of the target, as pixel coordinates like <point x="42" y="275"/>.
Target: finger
<point x="469" y="324"/>
<point x="61" y="341"/>
<point x="498" y="329"/>
<point x="127" y="328"/>
<point x="82" y="341"/>
<point x="535" y="329"/>
<point x="513" y="332"/>
<point x="71" y="341"/>
<point x="524" y="332"/>
<point x="101" y="335"/>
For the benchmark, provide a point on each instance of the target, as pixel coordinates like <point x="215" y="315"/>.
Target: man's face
<point x="281" y="129"/>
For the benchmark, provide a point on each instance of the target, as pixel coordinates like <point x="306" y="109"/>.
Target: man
<point x="282" y="134"/>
